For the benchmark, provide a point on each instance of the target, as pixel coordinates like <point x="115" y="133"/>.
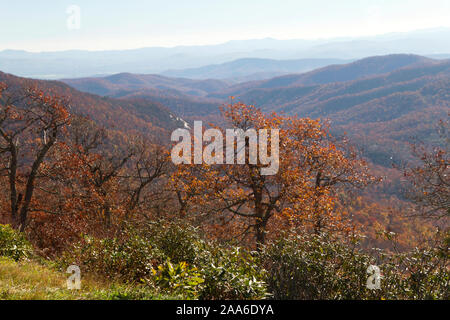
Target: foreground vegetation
<point x="31" y="280"/>
<point x="169" y="261"/>
<point x="26" y="276"/>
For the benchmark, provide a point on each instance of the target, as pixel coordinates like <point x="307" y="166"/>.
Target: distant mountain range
<point x="381" y="102"/>
<point x="249" y="69"/>
<point x="77" y="63"/>
<point x="381" y="112"/>
<point x="335" y="73"/>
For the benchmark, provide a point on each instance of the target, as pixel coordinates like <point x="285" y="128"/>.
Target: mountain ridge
<point x="82" y="63"/>
<point x="355" y="70"/>
<point x="134" y="115"/>
<point x="247" y="69"/>
<point x="381" y="102"/>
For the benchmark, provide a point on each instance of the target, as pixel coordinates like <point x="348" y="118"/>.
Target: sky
<point x="58" y="25"/>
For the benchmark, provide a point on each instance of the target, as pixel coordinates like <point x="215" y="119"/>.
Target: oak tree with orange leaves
<point x="312" y="165"/>
<point x="31" y="122"/>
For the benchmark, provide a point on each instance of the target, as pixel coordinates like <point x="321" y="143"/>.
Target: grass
<point x="31" y="280"/>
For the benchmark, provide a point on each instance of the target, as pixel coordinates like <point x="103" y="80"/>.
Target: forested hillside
<point x="89" y="180"/>
<point x="378" y="101"/>
<point x="140" y="115"/>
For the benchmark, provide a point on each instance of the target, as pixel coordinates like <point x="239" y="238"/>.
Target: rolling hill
<point x="122" y="83"/>
<point x="127" y="115"/>
<point x="380" y="102"/>
<point x="185" y="97"/>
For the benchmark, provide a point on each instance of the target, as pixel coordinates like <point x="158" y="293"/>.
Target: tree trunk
<point x="30" y="182"/>
<point x="261" y="234"/>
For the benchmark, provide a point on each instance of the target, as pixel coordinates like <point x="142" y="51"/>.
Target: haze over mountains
<point x="337" y="73"/>
<point x="183" y="96"/>
<point x="77" y="63"/>
<point x="381" y="102"/>
<point x="249" y="69"/>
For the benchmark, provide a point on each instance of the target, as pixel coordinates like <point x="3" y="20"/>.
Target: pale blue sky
<point x="41" y="25"/>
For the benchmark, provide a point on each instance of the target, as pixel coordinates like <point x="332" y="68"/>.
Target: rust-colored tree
<point x="95" y="180"/>
<point x="312" y="165"/>
<point x="30" y="124"/>
<point x="431" y="178"/>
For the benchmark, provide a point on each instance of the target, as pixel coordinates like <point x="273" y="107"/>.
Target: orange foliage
<point x="312" y="166"/>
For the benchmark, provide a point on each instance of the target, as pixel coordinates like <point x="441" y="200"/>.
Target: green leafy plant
<point x="321" y="267"/>
<point x="315" y="267"/>
<point x="129" y="258"/>
<point x="231" y="273"/>
<point x="178" y="278"/>
<point x="13" y="244"/>
<point x="228" y="272"/>
<point x="177" y="241"/>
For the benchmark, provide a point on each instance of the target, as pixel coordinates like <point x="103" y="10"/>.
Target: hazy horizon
<point x="100" y="25"/>
<point x="324" y="39"/>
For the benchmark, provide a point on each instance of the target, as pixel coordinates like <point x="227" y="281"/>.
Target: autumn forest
<point x="357" y="209"/>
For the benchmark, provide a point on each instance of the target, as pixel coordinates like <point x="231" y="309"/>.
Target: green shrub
<point x="130" y="258"/>
<point x="136" y="252"/>
<point x="230" y="273"/>
<point x="178" y="242"/>
<point x="178" y="279"/>
<point x="13" y="244"/>
<point x="419" y="274"/>
<point x="186" y="265"/>
<point x="315" y="267"/>
<point x="319" y="267"/>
